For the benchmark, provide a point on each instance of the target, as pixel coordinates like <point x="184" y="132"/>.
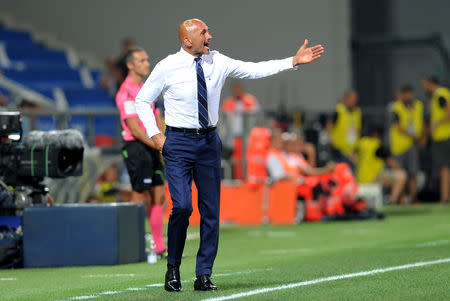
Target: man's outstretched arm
<point x="241" y="69"/>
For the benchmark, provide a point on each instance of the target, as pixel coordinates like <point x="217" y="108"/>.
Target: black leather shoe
<point x="203" y="283"/>
<point x="172" y="282"/>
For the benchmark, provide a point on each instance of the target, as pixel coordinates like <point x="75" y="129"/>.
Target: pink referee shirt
<point x="125" y="98"/>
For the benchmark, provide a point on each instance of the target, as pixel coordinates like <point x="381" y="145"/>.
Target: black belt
<point x="196" y="131"/>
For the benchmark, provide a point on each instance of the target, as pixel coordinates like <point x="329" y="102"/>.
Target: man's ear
<point x="187" y="42"/>
<point x="129" y="65"/>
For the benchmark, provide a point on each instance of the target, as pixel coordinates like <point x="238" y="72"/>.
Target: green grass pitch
<point x="251" y="258"/>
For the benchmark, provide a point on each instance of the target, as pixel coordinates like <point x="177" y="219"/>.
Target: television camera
<point x="55" y="154"/>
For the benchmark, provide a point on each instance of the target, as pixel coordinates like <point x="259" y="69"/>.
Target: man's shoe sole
<point x="171" y="289"/>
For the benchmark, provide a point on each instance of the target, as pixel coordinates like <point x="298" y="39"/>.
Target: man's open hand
<point x="306" y="55"/>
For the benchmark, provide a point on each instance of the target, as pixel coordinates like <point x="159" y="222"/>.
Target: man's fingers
<point x="316" y="56"/>
<point x="317" y="48"/>
<point x="304" y="44"/>
<point x="318" y="52"/>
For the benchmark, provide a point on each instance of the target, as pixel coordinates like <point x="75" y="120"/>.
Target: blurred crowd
<point x="408" y="155"/>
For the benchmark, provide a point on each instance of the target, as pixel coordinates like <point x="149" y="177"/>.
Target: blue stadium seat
<point x="48" y="92"/>
<point x="92" y="98"/>
<point x="41" y="79"/>
<point x="5" y="92"/>
<point x="34" y="56"/>
<point x="45" y="123"/>
<point x="97" y="76"/>
<point x="89" y="98"/>
<point x="8" y="35"/>
<point x="80" y="123"/>
<point x="103" y="125"/>
<point x="106" y="125"/>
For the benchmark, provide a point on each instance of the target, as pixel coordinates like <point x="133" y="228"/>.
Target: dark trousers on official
<point x="193" y="156"/>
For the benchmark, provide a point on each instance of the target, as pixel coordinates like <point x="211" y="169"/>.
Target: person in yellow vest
<point x="372" y="159"/>
<point x="440" y="131"/>
<point x="344" y="128"/>
<point x="405" y="133"/>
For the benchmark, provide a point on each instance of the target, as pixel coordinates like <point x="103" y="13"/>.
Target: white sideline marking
<point x="193" y="236"/>
<point x="331" y="278"/>
<point x="92" y="296"/>
<point x="421" y="245"/>
<point x="283" y="251"/>
<point x="110" y="293"/>
<point x="107" y="275"/>
<point x="281" y="233"/>
<point x="8" y="279"/>
<point x="433" y="243"/>
<point x="274" y="234"/>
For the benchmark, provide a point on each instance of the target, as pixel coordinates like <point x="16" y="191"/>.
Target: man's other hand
<point x="159" y="140"/>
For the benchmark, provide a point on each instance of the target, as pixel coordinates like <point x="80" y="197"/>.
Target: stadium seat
<point x="35" y="56"/>
<point x="45" y="123"/>
<point x="92" y="98"/>
<point x="8" y="35"/>
<point x="43" y="79"/>
<point x="88" y="98"/>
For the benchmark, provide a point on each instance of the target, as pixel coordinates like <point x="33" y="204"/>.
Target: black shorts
<point x="143" y="164"/>
<point x="441" y="154"/>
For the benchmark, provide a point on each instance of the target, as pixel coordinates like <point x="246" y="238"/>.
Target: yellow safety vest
<point x="369" y="165"/>
<point x="347" y="129"/>
<point x="441" y="132"/>
<point x="410" y="119"/>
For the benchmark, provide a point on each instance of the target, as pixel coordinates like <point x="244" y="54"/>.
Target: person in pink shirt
<point x="142" y="160"/>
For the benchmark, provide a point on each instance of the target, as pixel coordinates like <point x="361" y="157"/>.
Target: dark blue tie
<point x="202" y="95"/>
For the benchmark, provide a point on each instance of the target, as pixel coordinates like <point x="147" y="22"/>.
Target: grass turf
<point x="268" y="256"/>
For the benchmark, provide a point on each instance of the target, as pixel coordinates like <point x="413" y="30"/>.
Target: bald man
<point x="191" y="81"/>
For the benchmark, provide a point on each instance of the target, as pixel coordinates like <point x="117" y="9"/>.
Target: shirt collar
<point x="189" y="58"/>
<point x="129" y="82"/>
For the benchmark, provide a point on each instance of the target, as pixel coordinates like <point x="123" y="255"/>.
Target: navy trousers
<point x="193" y="156"/>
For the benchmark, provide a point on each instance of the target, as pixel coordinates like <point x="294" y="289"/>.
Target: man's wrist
<point x="293" y="63"/>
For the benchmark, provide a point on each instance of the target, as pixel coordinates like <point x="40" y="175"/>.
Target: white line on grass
<point x="331" y="278"/>
<point x="424" y="244"/>
<point x="433" y="243"/>
<point x="92" y="296"/>
<point x="8" y="279"/>
<point x="193" y="236"/>
<point x="284" y="251"/>
<point x="107" y="275"/>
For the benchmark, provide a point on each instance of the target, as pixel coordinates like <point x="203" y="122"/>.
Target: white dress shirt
<point x="176" y="78"/>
